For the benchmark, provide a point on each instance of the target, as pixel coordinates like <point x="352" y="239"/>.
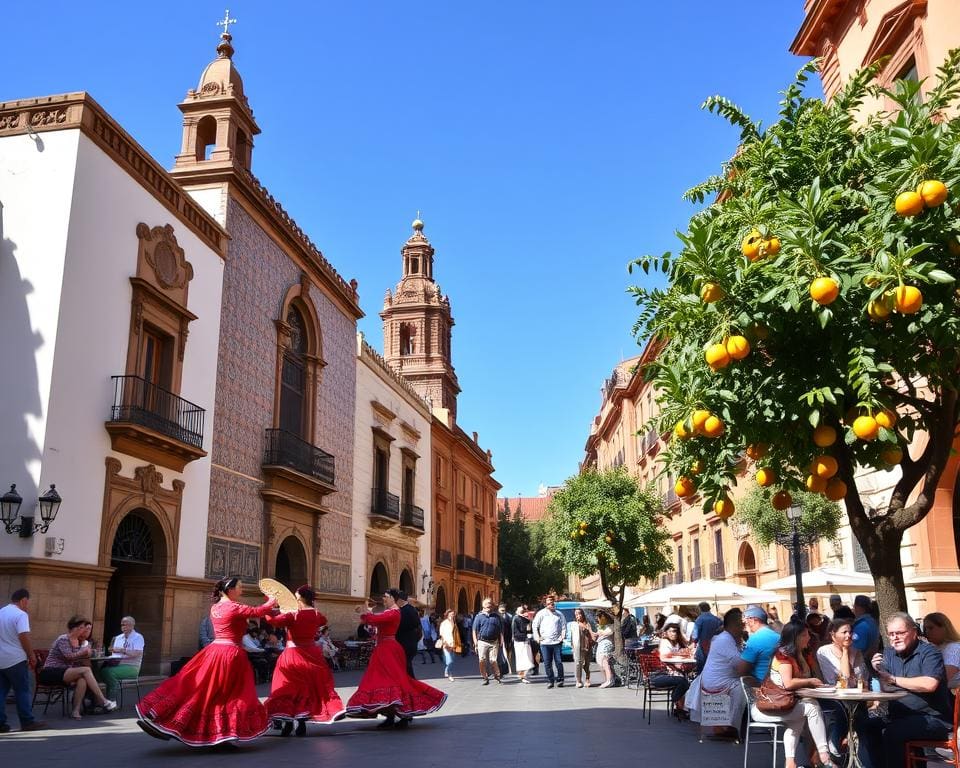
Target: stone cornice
<point x="78" y="110"/>
<point x="375" y="361"/>
<point x="807" y="41"/>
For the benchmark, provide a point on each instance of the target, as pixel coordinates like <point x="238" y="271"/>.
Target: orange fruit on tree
<point x="684" y="487"/>
<point x="815" y="483"/>
<point x="909" y="203"/>
<point x="737" y="347"/>
<point x="824" y="466"/>
<point x="836" y="489"/>
<point x="699" y="416"/>
<point x="771" y="246"/>
<point x="681" y="432"/>
<point x="824" y="436"/>
<point x="824" y="290"/>
<point x="713" y="427"/>
<point x="750" y="247"/>
<point x="766" y="477"/>
<point x="757" y="451"/>
<point x="932" y="192"/>
<point x="908" y="299"/>
<point x="892" y="455"/>
<point x="724" y="508"/>
<point x="880" y="309"/>
<point x="711" y="292"/>
<point x="781" y="500"/>
<point x="717" y="356"/>
<point x="886" y="418"/>
<point x="866" y="428"/>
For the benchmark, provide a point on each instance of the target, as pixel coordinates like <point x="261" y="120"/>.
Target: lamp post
<point x="10" y="502"/>
<point x="794" y="541"/>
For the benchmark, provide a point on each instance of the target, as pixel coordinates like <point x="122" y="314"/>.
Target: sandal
<point x="76" y="716"/>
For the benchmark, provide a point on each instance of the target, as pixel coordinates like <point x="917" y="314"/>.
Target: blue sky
<point x="546" y="144"/>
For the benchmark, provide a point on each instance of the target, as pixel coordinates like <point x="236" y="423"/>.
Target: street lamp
<point x="794" y="541"/>
<point x="10" y="503"/>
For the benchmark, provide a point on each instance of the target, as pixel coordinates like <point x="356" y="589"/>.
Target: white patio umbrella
<point x="599" y="603"/>
<point x="825" y="579"/>
<point x="703" y="590"/>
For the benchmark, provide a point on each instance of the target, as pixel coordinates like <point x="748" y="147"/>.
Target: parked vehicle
<point x="566" y="608"/>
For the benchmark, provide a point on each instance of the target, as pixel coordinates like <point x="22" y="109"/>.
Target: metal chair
<point x="776" y="737"/>
<point x="51" y="694"/>
<point x="916" y="750"/>
<point x="132" y="682"/>
<point x="651" y="665"/>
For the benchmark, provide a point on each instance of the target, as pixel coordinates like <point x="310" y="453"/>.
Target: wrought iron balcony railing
<point x="696" y="573"/>
<point x="285" y="449"/>
<point x="385" y="504"/>
<point x="444" y="557"/>
<point x="138" y="401"/>
<point x="412" y="516"/>
<point x="467" y="563"/>
<point x="717" y="571"/>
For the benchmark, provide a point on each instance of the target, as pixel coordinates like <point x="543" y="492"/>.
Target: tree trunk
<point x="883" y="555"/>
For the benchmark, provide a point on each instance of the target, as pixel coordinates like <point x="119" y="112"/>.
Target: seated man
<point x="926" y="712"/>
<point x="760" y="647"/>
<point x="721" y="673"/>
<point x="256" y="653"/>
<point x="128" y="646"/>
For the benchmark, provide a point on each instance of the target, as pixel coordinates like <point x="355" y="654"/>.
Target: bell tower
<point x="417" y="325"/>
<point x="218" y="124"/>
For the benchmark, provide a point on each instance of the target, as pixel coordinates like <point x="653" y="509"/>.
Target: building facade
<point x="392" y="522"/>
<point x="281" y="489"/>
<point x="111" y="279"/>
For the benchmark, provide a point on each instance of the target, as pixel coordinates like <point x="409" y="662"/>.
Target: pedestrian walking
<point x="549" y="631"/>
<point x="17" y="661"/>
<point x="522" y="650"/>
<point x="506" y="658"/>
<point x="449" y="641"/>
<point x="409" y="632"/>
<point x="581" y="641"/>
<point x="487" y="637"/>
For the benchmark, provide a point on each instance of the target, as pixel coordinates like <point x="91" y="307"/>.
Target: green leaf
<point x="939" y="276"/>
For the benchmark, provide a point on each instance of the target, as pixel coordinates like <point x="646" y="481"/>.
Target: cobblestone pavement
<point x="509" y="725"/>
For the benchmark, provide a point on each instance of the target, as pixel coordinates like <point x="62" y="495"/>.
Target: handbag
<point x="772" y="699"/>
<point x="438" y="645"/>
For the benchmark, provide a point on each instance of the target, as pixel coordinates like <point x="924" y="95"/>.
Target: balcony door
<point x="293" y="377"/>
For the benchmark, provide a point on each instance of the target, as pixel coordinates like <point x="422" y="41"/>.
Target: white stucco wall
<point x="375" y="384"/>
<point x="72" y="218"/>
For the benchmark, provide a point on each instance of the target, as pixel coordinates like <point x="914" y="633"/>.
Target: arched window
<point x="293" y="379"/>
<point x="378" y="581"/>
<point x="408" y="339"/>
<point x="406" y="584"/>
<point x="206" y="136"/>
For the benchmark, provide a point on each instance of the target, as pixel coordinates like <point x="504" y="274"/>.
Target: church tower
<point x="218" y="124"/>
<point x="417" y="324"/>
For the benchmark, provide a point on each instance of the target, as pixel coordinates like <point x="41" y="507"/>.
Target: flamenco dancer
<point x="386" y="688"/>
<point x="213" y="699"/>
<point x="302" y="684"/>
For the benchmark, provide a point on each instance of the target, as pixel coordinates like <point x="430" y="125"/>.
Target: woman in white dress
<point x="522" y="652"/>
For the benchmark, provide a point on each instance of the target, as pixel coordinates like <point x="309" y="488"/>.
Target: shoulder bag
<point x="773" y="699"/>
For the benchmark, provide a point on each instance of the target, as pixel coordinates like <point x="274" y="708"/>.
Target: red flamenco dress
<point x="213" y="699"/>
<point x="386" y="688"/>
<point x="302" y="684"/>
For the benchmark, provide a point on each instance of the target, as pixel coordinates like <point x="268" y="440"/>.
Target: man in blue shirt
<point x="704" y="628"/>
<point x="924" y="713"/>
<point x="487" y="637"/>
<point x="866" y="633"/>
<point x="760" y="647"/>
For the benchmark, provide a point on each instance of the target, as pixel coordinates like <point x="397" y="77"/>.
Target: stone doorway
<point x="138" y="585"/>
<point x="378" y="582"/>
<point x="441" y="602"/>
<point x="406" y="584"/>
<point x="477" y="603"/>
<point x="463" y="607"/>
<point x="291" y="565"/>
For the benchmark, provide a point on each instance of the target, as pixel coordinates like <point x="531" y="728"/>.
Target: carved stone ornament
<point x="161" y="251"/>
<point x="149" y="479"/>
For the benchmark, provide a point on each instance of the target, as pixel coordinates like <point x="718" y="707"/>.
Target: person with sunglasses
<point x="926" y="712"/>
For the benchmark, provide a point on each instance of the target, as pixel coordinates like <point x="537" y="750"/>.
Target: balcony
<point x="678" y="577"/>
<point x="717" y="571"/>
<point x="411" y="519"/>
<point x="444" y="557"/>
<point x="153" y="424"/>
<point x="384" y="508"/>
<point x="488" y="569"/>
<point x="467" y="563"/>
<point x="696" y="573"/>
<point x="296" y="473"/>
<point x="667" y="580"/>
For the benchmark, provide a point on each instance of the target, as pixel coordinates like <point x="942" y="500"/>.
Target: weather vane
<point x="227" y="21"/>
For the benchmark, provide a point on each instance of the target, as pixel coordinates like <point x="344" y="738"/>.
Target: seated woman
<point x="605" y="648"/>
<point x="939" y="631"/>
<point x="790" y="670"/>
<point x="68" y="663"/>
<point x="674" y="676"/>
<point x="840" y="661"/>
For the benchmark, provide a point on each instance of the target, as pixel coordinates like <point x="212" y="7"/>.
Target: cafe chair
<point x="917" y="755"/>
<point x="48" y="694"/>
<point x="650" y="665"/>
<point x="773" y="729"/>
<point x="132" y="682"/>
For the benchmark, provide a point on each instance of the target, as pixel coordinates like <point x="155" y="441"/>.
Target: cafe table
<point x="851" y="699"/>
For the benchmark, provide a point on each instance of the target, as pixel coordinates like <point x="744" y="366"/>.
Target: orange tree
<point x="811" y="316"/>
<point x="604" y="523"/>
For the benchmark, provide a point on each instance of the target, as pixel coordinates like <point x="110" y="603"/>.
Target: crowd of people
<point x="919" y="662"/>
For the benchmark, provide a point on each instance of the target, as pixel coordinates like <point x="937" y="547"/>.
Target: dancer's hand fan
<point x="286" y="600"/>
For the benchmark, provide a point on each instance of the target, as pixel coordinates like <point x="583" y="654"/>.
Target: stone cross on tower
<point x="226" y="22"/>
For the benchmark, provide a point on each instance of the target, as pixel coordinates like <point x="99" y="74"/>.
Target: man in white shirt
<point x="720" y="674"/>
<point x="16" y="661"/>
<point x="549" y="630"/>
<point x="127" y="648"/>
